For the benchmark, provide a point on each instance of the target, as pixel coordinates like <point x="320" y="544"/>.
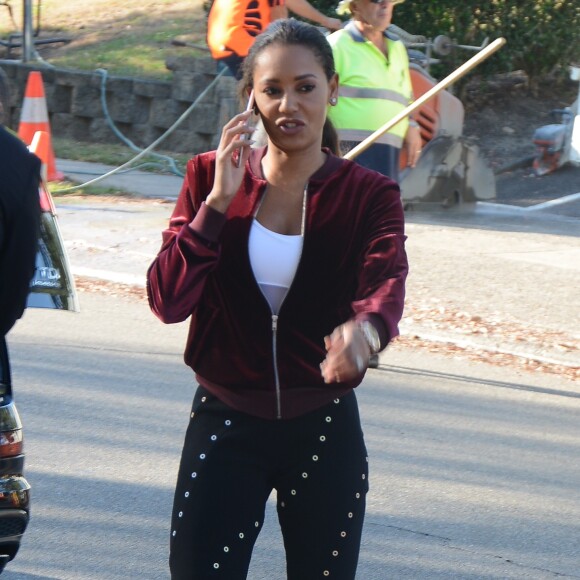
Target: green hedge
<point x="543" y="36"/>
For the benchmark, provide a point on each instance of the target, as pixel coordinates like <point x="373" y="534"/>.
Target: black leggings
<point x="232" y="461"/>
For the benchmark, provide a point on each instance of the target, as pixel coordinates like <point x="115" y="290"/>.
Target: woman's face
<point x="292" y="95"/>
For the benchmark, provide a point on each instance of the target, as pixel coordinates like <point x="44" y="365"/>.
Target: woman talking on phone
<point x="292" y="268"/>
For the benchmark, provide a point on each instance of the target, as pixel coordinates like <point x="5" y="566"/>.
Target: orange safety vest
<point x="233" y="25"/>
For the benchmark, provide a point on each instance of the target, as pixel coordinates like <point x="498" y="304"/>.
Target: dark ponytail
<point x="330" y="137"/>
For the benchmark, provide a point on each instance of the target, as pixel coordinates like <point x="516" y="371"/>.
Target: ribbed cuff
<point x="208" y="223"/>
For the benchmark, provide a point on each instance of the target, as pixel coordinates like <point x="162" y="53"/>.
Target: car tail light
<point x="11" y="443"/>
<point x="46" y="202"/>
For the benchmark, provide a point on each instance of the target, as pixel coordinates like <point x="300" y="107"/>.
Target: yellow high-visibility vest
<point x="372" y="88"/>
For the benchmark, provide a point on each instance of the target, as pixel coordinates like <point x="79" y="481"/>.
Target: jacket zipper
<point x="275" y="316"/>
<point x="275" y="359"/>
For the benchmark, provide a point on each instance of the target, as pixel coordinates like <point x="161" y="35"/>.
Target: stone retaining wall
<point x="142" y="110"/>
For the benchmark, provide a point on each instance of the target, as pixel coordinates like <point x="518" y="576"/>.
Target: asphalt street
<point x="473" y="467"/>
<point x="558" y="190"/>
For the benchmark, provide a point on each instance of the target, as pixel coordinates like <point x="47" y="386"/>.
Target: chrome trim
<point x="53" y="284"/>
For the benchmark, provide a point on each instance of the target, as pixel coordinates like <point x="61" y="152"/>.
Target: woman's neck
<point x="282" y="207"/>
<point x="282" y="169"/>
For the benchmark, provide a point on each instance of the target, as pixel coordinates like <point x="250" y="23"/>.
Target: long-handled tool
<point x="448" y="80"/>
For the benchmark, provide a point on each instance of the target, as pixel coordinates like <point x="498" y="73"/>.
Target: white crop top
<point x="274" y="258"/>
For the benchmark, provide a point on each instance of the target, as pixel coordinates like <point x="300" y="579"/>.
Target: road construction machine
<point x="451" y="170"/>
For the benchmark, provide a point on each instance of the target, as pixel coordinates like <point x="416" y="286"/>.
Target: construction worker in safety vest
<point x="234" y="24"/>
<point x="374" y="86"/>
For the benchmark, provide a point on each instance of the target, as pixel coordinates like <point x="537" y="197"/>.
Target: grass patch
<point x="127" y="37"/>
<point x="115" y="155"/>
<point x="129" y="56"/>
<point x="60" y="189"/>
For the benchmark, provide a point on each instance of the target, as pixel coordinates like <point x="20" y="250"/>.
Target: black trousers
<point x="232" y="461"/>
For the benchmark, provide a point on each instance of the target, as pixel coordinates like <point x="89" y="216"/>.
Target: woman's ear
<point x="333" y="87"/>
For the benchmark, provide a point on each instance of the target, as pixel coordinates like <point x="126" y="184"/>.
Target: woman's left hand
<point x="413" y="144"/>
<point x="347" y="355"/>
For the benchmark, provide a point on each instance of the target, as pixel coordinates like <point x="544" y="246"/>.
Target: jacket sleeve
<point x="189" y="252"/>
<point x="384" y="267"/>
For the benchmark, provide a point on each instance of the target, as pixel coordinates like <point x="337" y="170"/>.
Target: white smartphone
<point x="245" y="136"/>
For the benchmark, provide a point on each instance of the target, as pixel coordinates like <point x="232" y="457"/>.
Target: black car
<point x="14" y="489"/>
<point x="52" y="287"/>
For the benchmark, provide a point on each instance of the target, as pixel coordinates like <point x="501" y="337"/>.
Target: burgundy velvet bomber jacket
<point x="353" y="266"/>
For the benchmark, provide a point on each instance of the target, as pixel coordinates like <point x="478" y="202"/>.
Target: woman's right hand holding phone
<point x="235" y="140"/>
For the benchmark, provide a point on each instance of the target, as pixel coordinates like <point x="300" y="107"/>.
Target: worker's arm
<point x="413" y="144"/>
<point x="306" y="10"/>
<point x="278" y="12"/>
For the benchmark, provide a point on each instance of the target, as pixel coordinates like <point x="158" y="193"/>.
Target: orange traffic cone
<point x="34" y="117"/>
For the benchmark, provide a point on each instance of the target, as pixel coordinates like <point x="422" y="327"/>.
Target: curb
<point x="544" y="357"/>
<point x="109" y="276"/>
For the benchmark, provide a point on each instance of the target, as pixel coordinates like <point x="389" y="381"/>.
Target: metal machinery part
<point x="451" y="170"/>
<point x="442" y="45"/>
<point x="554" y="142"/>
<point x="559" y="143"/>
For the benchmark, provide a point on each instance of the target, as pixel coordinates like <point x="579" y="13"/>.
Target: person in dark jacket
<point x="19" y="225"/>
<point x="291" y="267"/>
